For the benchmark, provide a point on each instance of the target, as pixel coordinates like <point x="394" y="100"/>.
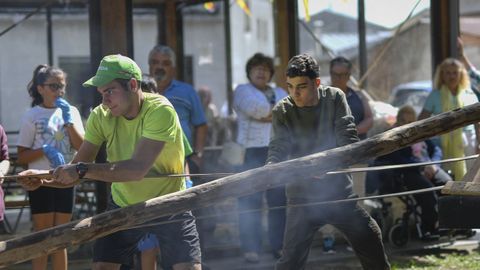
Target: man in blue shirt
<point x="184" y="98"/>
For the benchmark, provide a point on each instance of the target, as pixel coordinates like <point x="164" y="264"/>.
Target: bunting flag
<point x="210" y="6"/>
<point x="243" y="5"/>
<point x="307" y="13"/>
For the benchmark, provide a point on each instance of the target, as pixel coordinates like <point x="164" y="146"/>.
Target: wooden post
<point x="173" y="28"/>
<point x="44" y="242"/>
<point x="111" y="32"/>
<point x="444" y="25"/>
<point x="286" y="37"/>
<point x="470" y="185"/>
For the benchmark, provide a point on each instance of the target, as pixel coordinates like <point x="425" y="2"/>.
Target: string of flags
<point x="211" y="7"/>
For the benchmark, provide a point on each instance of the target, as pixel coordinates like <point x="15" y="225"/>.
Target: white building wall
<point x="258" y="39"/>
<point x="24" y="47"/>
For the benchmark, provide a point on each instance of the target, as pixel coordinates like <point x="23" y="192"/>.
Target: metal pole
<point x="362" y="43"/>
<point x="49" y="37"/>
<point x="228" y="54"/>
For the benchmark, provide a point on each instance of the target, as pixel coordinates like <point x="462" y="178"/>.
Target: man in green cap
<point x="143" y="135"/>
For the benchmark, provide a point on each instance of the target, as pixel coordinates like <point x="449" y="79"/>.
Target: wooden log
<point x="36" y="244"/>
<point x="470" y="184"/>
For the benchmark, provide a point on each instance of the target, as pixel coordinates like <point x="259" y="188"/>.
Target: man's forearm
<point x="121" y="171"/>
<point x="200" y="137"/>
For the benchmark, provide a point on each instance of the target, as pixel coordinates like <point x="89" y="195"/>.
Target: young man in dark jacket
<point x="311" y="119"/>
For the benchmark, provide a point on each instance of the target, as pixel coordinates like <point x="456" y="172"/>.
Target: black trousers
<point x="353" y="221"/>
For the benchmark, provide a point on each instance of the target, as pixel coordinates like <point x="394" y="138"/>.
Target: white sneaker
<point x="329" y="252"/>
<point x="251" y="257"/>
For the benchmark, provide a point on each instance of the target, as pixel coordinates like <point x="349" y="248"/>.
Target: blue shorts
<point x="178" y="241"/>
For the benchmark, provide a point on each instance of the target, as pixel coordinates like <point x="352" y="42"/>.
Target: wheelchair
<point x="397" y="233"/>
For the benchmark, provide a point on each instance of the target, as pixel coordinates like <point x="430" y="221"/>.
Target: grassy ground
<point x="456" y="259"/>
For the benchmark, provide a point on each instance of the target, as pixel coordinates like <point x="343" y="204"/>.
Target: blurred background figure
<point x="253" y="103"/>
<point x="452" y="91"/>
<point x="4" y="166"/>
<point x="415" y="177"/>
<point x="211" y="113"/>
<point x="149" y="84"/>
<point x="340" y="71"/>
<point x="50" y="134"/>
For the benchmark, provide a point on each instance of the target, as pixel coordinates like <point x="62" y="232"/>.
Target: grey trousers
<point x="353" y="221"/>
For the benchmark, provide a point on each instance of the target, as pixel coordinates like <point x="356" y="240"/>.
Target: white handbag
<point x="233" y="153"/>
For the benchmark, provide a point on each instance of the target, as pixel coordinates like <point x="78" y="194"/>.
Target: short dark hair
<point x="302" y="65"/>
<point x="148" y="84"/>
<point x="259" y="59"/>
<point x="340" y="60"/>
<point x="123" y="83"/>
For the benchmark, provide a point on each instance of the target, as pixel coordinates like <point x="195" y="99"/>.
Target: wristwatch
<point x="82" y="169"/>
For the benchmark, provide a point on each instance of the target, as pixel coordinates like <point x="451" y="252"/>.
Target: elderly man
<point x="184" y="99"/>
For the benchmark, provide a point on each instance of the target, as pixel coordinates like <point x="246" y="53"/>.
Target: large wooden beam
<point x="46" y="241"/>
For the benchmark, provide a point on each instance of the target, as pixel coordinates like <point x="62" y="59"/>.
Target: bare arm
<point x="461" y="54"/>
<point x="86" y="153"/>
<point x="200" y="136"/>
<point x="367" y="122"/>
<point x="76" y="138"/>
<point x="28" y="155"/>
<point x="133" y="169"/>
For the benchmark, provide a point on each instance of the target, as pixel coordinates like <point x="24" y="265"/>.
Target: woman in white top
<point x="50" y="133"/>
<point x="253" y="103"/>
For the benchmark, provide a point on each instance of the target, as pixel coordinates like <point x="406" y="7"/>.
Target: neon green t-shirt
<point x="157" y="120"/>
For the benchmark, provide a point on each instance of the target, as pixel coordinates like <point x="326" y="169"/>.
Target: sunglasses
<point x="55" y="86"/>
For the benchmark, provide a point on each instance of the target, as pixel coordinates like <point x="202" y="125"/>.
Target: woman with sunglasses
<point x="50" y="133"/>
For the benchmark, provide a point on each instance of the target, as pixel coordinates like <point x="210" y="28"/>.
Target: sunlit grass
<point x="462" y="260"/>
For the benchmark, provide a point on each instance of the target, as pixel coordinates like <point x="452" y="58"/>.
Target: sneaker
<point x="277" y="254"/>
<point x="251" y="257"/>
<point x="428" y="236"/>
<point x="328" y="245"/>
<point x="349" y="248"/>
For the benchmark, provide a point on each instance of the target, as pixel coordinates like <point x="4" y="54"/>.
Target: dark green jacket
<point x="299" y="132"/>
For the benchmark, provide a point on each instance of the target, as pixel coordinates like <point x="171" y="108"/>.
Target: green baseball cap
<point x="112" y="67"/>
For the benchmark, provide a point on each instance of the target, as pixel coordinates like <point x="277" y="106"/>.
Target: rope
<point x="358" y="83"/>
<point x="374" y="197"/>
<point x="386" y="47"/>
<point x="401" y="166"/>
<point x="342" y="171"/>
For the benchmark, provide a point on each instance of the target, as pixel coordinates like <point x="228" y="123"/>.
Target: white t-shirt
<point x="41" y="126"/>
